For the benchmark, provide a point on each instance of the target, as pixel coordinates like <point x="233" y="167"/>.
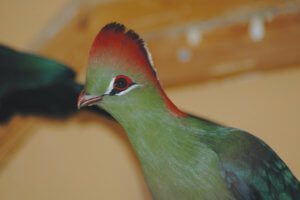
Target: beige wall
<point x="23" y="21"/>
<point x="89" y="157"/>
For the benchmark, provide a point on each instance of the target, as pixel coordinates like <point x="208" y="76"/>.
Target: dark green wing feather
<point x="251" y="169"/>
<point x="31" y="84"/>
<point x="20" y="70"/>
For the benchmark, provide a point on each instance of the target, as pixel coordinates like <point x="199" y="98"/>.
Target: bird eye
<point x="120" y="85"/>
<point x="122" y="82"/>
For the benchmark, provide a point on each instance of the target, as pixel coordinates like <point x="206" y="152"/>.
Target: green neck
<point x="146" y="119"/>
<point x="164" y="144"/>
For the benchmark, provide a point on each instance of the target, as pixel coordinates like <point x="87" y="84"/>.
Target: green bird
<point x="182" y="157"/>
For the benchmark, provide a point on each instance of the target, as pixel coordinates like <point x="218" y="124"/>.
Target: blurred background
<point x="234" y="62"/>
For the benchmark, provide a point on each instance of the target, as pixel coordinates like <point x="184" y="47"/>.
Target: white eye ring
<point x="111" y="87"/>
<point x="128" y="89"/>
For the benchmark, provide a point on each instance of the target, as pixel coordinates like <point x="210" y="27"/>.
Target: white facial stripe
<point x="111" y="87"/>
<point x="149" y="56"/>
<point x="128" y="89"/>
<point x="150" y="59"/>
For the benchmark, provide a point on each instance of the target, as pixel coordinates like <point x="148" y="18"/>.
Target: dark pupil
<point x="121" y="83"/>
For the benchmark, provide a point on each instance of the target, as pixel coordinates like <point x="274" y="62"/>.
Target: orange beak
<point x="86" y="100"/>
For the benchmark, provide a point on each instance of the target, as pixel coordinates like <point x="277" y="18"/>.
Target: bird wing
<point x="31" y="84"/>
<point x="251" y="169"/>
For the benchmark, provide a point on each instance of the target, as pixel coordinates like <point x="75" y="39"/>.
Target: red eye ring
<point x="122" y="82"/>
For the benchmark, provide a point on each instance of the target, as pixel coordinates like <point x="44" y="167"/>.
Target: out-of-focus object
<point x="256" y="28"/>
<point x="30" y="84"/>
<point x="195" y="40"/>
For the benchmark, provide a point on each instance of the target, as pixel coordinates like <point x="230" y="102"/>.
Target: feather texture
<point x="182" y="156"/>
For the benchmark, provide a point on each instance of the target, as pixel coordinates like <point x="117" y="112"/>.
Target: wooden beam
<point x="228" y="51"/>
<point x="225" y="49"/>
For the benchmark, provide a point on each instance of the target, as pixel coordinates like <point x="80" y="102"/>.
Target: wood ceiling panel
<point x="228" y="51"/>
<point x="163" y="23"/>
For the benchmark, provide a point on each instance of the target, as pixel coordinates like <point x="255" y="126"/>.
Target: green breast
<point x="175" y="163"/>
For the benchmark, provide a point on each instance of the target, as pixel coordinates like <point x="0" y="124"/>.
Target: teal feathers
<point x="30" y="84"/>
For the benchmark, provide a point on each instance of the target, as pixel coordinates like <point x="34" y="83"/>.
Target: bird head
<point x="120" y="74"/>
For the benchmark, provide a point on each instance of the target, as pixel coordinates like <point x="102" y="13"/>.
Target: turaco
<point x="182" y="157"/>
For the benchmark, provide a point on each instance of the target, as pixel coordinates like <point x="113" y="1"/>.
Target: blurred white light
<point x="194" y="36"/>
<point x="256" y="28"/>
<point x="184" y="55"/>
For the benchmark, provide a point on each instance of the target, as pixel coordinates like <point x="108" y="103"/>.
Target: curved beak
<point x="87" y="100"/>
